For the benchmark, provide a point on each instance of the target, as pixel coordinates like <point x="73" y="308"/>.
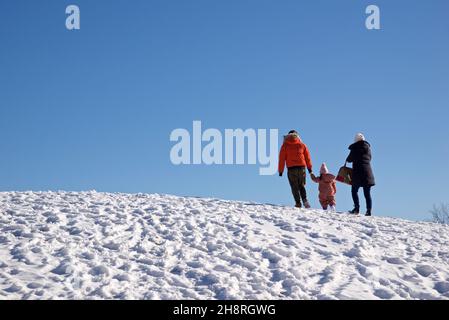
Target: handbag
<point x="344" y="175"/>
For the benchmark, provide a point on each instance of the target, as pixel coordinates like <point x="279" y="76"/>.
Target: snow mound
<point x="89" y="245"/>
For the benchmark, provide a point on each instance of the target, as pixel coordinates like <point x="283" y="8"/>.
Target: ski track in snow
<point x="90" y="245"/>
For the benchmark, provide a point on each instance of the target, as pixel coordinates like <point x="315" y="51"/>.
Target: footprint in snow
<point x="425" y="270"/>
<point x="279" y="275"/>
<point x="34" y="285"/>
<point x="285" y="226"/>
<point x="64" y="268"/>
<point x="13" y="289"/>
<point x="271" y="256"/>
<point x="383" y="293"/>
<point x="338" y="241"/>
<point x="289" y="242"/>
<point x="442" y="287"/>
<point x="395" y="260"/>
<point x="112" y="246"/>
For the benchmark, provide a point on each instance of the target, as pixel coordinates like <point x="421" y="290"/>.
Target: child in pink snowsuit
<point x="327" y="188"/>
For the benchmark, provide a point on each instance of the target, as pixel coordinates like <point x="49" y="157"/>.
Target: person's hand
<point x="280" y="174"/>
<point x="310" y="170"/>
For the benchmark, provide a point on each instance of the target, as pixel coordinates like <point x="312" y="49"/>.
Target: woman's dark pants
<point x="366" y="193"/>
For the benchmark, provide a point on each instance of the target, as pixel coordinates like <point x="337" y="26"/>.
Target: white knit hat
<point x="323" y="169"/>
<point x="359" y="137"/>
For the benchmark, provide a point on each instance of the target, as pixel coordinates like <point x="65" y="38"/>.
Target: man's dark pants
<point x="297" y="180"/>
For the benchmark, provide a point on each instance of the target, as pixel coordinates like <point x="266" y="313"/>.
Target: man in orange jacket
<point x="296" y="154"/>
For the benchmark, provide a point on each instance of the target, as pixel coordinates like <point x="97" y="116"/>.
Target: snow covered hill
<point x="89" y="245"/>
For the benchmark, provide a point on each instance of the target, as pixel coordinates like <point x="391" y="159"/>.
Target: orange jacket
<point x="295" y="153"/>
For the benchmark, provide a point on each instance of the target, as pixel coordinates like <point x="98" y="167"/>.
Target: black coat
<point x="360" y="157"/>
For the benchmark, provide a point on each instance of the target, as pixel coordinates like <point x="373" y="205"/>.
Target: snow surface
<point x="90" y="245"/>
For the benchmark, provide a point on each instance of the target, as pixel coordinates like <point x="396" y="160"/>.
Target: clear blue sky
<point x="94" y="108"/>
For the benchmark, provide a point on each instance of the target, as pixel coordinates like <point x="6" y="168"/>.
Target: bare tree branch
<point x="440" y="214"/>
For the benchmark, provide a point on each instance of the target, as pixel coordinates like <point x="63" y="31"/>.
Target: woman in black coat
<point x="362" y="173"/>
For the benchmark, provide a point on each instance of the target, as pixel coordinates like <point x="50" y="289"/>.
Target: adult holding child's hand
<point x="362" y="173"/>
<point x="295" y="154"/>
